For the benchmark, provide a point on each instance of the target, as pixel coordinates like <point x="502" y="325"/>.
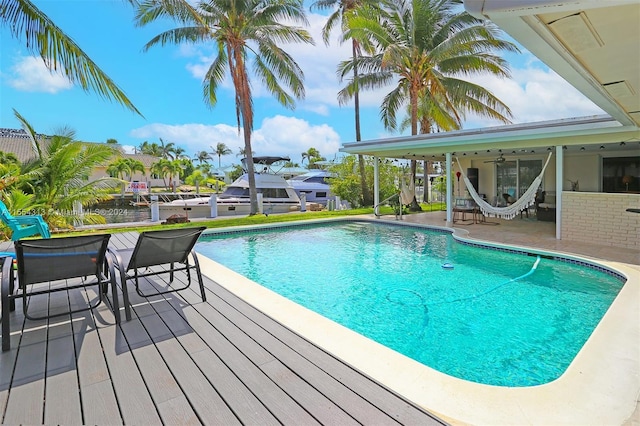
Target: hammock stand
<point x="509" y="212"/>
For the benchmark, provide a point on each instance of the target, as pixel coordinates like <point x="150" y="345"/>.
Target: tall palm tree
<point x="311" y="155"/>
<point x="202" y="157"/>
<point x="179" y="153"/>
<point x="239" y="31"/>
<point x="167" y="150"/>
<point x="58" y="51"/>
<point x="426" y="46"/>
<point x="342" y="8"/>
<point x="150" y="149"/>
<point x="220" y="150"/>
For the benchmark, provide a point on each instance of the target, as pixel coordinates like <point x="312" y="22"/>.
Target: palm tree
<point x="239" y="31"/>
<point x="124" y="168"/>
<point x="220" y="150"/>
<point x="159" y="168"/>
<point x="243" y="153"/>
<point x="58" y="51"/>
<point x="150" y="149"/>
<point x="202" y="157"/>
<point x="179" y="153"/>
<point x="343" y="9"/>
<point x="312" y="155"/>
<point x="167" y="150"/>
<point x="426" y="46"/>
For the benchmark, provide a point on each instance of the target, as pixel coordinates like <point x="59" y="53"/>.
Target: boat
<point x="314" y="185"/>
<point x="278" y="196"/>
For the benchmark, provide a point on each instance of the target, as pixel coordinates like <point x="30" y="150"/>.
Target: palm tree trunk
<point x="243" y="104"/>
<point x="366" y="196"/>
<point x="413" y="99"/>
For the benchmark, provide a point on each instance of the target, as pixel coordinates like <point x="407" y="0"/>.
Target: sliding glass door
<point x="515" y="177"/>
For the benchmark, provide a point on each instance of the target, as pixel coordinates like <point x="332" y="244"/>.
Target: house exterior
<point x="595" y="46"/>
<point x="17" y="141"/>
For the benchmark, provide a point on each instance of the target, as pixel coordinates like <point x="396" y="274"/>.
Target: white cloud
<point x="291" y="136"/>
<point x="535" y="93"/>
<point x="279" y="135"/>
<point x="29" y="74"/>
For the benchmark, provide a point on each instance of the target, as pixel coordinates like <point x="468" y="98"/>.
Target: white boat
<point x="314" y="184"/>
<point x="278" y="196"/>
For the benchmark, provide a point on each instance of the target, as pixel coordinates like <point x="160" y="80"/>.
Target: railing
<point x="396" y="205"/>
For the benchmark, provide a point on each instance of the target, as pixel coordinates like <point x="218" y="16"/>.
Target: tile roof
<point x="17" y="142"/>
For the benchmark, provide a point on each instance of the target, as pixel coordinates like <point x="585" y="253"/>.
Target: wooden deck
<point x="181" y="361"/>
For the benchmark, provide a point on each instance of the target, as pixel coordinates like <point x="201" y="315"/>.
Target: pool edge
<point x="600" y="386"/>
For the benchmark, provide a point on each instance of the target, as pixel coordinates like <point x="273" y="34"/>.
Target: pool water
<point x="495" y="317"/>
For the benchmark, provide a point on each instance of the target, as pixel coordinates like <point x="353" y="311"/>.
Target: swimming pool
<point x="498" y="317"/>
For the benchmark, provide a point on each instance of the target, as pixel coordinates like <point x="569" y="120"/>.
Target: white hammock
<point x="509" y="212"/>
<point x="407" y="190"/>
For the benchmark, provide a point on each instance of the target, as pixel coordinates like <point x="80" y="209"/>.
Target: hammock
<point x="407" y="190"/>
<point x="509" y="212"/>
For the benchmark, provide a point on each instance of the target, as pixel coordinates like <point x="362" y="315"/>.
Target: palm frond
<point x="58" y="51"/>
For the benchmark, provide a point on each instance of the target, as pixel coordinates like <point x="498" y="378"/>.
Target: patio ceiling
<point x="593" y="44"/>
<point x="578" y="135"/>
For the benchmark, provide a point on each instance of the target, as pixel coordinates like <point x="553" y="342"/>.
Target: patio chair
<point x="155" y="250"/>
<point x="24" y="226"/>
<point x="52" y="265"/>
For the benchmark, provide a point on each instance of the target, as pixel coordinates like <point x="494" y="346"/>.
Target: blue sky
<point x="165" y="84"/>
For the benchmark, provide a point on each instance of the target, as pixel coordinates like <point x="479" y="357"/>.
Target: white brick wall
<point x="601" y="218"/>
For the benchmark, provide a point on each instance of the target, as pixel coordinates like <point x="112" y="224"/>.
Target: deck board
<point x="181" y="361"/>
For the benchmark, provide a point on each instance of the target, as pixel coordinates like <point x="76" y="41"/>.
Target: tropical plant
<point x="124" y="168"/>
<point x="341" y="9"/>
<point x="312" y="155"/>
<point x="59" y="175"/>
<point x="346" y="183"/>
<point x="152" y="149"/>
<point x="239" y="31"/>
<point x="167" y="168"/>
<point x="57" y="50"/>
<point x="220" y="150"/>
<point x="424" y="47"/>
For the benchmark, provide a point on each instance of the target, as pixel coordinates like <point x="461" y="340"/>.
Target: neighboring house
<point x="147" y="160"/>
<point x="17" y="141"/>
<point x="595" y="46"/>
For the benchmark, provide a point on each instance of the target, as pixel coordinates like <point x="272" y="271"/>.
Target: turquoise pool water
<point x="496" y="317"/>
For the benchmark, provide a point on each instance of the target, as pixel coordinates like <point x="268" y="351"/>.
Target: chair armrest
<point x="28" y="220"/>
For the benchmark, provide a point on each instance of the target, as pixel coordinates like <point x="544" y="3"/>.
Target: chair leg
<point x="125" y="295"/>
<point x="114" y="290"/>
<point x="7" y="285"/>
<point x="199" y="273"/>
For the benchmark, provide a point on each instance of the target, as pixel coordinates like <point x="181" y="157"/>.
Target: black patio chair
<point x="53" y="265"/>
<point x="155" y="250"/>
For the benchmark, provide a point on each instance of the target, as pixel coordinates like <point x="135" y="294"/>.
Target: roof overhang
<point x="593" y="44"/>
<point x="593" y="133"/>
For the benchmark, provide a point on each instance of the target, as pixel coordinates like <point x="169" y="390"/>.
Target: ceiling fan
<point x="499" y="159"/>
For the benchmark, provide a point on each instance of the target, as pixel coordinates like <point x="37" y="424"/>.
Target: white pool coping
<point x="600" y="387"/>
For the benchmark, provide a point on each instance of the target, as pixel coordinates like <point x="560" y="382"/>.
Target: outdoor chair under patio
<point x="24" y="226"/>
<point x="51" y="265"/>
<point x="157" y="253"/>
